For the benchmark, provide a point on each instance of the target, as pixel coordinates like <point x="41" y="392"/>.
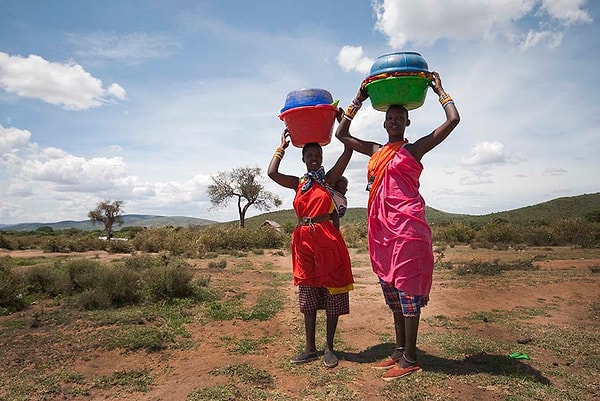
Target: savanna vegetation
<point x="219" y="295"/>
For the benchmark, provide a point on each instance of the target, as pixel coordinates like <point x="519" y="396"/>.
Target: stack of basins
<point x="309" y="116"/>
<point x="399" y="78"/>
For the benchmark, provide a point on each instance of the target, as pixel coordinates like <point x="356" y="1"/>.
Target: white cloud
<point x="567" y="11"/>
<point x="72" y="173"/>
<point x="117" y="91"/>
<point x="130" y="48"/>
<point x="555" y="171"/>
<point x="12" y="139"/>
<point x="427" y="21"/>
<point x="485" y="153"/>
<point x="482" y="177"/>
<point x="534" y="38"/>
<point x="64" y="84"/>
<point x="351" y="58"/>
<point x="37" y="175"/>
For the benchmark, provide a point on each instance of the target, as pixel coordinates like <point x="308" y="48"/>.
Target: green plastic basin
<point x="408" y="91"/>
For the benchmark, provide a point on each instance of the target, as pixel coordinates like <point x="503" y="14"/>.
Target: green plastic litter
<point x="519" y="355"/>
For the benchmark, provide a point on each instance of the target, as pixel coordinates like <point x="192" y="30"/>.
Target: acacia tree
<point x="242" y="184"/>
<point x="107" y="213"/>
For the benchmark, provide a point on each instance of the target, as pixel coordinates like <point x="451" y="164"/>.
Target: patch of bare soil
<point x="564" y="291"/>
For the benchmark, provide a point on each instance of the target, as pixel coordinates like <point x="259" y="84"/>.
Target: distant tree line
<point x="201" y="240"/>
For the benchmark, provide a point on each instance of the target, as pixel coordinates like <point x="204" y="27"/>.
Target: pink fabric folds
<point x="399" y="236"/>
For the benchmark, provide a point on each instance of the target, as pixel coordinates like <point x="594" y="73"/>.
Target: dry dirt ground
<point x="467" y="331"/>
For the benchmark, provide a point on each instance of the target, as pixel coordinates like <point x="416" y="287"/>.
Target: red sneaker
<point x="387" y="363"/>
<point x="398" y="371"/>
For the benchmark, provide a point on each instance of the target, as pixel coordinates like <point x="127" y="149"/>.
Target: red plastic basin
<point x="310" y="124"/>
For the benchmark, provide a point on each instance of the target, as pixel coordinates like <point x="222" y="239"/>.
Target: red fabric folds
<point x="319" y="254"/>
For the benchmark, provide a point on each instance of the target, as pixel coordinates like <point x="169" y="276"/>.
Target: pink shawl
<point x="399" y="236"/>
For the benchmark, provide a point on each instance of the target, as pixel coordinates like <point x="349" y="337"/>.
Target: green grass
<point x="132" y="380"/>
<point x="245" y="382"/>
<point x="269" y="302"/>
<point x="246" y="345"/>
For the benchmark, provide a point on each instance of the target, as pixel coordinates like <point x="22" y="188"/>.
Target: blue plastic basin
<point x="398" y="61"/>
<point x="307" y="97"/>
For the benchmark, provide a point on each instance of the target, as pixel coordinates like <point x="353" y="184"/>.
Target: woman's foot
<point x="398" y="371"/>
<point x="391" y="360"/>
<point x="305" y="356"/>
<point x="403" y="368"/>
<point x="329" y="359"/>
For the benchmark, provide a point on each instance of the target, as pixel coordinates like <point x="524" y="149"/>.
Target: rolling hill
<point x="556" y="209"/>
<point x="559" y="208"/>
<point x="129" y="220"/>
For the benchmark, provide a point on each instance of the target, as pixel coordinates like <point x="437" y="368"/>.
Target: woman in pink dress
<point x="400" y="245"/>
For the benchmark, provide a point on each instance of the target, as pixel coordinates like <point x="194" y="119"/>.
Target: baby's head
<point x="341" y="185"/>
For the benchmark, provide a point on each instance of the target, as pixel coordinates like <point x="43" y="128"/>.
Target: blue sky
<point x="143" y="101"/>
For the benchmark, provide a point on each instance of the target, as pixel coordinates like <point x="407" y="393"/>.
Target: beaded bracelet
<point x="279" y="152"/>
<point x="447" y="103"/>
<point x="445" y="99"/>
<point x="353" y="108"/>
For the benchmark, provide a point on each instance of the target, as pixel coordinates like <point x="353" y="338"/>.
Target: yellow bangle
<point x="443" y="97"/>
<point x="277" y="156"/>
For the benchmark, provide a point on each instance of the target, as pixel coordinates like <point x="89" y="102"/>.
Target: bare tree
<point x="108" y="213"/>
<point x="241" y="184"/>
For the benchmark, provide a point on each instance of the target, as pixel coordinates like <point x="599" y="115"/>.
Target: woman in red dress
<point x="320" y="259"/>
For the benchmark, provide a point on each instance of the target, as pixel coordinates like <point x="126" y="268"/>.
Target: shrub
<point x="577" y="231"/>
<point x="453" y="232"/>
<point x="497" y="231"/>
<point x="201" y="291"/>
<point x="5" y="243"/>
<point x="539" y="236"/>
<point x="170" y="281"/>
<point x="82" y="274"/>
<point x="141" y="262"/>
<point x="122" y="285"/>
<point x="221" y="264"/>
<point x="355" y="235"/>
<point x="94" y="299"/>
<point x="55" y="245"/>
<point x="119" y="246"/>
<point x="268" y="237"/>
<point x="11" y="289"/>
<point x="47" y="279"/>
<point x="149" y="241"/>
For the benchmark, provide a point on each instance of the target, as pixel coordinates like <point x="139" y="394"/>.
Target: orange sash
<point x="377" y="165"/>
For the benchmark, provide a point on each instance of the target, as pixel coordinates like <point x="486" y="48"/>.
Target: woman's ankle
<point x="406" y="362"/>
<point x="398" y="352"/>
